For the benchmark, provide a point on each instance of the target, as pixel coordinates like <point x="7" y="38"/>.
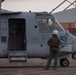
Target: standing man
<point x="53" y="43"/>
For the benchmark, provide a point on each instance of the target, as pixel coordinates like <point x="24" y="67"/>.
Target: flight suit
<point x="52" y="55"/>
<point x="54" y="43"/>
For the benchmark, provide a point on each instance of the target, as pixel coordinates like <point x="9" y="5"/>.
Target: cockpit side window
<point x="45" y="25"/>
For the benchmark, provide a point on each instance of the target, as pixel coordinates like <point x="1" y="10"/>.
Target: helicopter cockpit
<point x="47" y="23"/>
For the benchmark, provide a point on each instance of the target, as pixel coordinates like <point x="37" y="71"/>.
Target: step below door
<point x="17" y="56"/>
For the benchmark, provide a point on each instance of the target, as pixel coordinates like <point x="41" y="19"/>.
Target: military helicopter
<point x="25" y="34"/>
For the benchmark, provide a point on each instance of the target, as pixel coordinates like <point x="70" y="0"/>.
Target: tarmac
<point x="35" y="66"/>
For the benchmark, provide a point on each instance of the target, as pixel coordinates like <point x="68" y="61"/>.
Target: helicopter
<point x="24" y="35"/>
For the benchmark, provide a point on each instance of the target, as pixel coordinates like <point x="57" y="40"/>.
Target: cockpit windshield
<point x="47" y="24"/>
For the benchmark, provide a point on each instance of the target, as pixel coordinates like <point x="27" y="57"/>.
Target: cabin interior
<point x="17" y="34"/>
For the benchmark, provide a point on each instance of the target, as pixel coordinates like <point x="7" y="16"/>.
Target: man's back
<point x="54" y="41"/>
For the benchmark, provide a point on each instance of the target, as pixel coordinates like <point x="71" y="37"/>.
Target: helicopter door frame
<point x="17" y="34"/>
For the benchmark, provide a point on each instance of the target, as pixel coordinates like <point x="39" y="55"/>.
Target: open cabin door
<point x="17" y="34"/>
<point x="17" y="39"/>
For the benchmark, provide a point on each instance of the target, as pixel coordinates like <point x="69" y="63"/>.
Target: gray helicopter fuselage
<point x="37" y="28"/>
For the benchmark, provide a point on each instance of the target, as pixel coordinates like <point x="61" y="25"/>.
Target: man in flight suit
<point x="53" y="43"/>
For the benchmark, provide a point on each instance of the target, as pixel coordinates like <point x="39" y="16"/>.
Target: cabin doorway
<point x="17" y="34"/>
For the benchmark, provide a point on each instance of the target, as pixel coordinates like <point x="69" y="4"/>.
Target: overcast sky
<point x="34" y="5"/>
